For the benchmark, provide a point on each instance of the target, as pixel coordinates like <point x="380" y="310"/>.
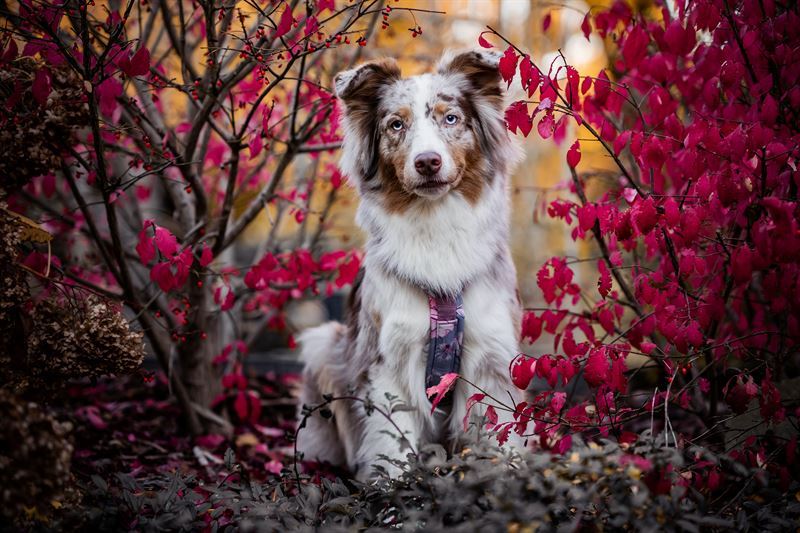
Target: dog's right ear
<point x="365" y="81"/>
<point x="359" y="89"/>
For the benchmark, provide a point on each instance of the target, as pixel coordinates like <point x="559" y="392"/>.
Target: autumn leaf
<point x="437" y="392"/>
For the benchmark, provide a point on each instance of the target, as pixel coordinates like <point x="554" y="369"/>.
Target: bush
<point x="597" y="486"/>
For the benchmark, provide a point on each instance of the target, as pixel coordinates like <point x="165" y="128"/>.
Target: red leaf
<point x="529" y="76"/>
<point x="586" y="84"/>
<point x="508" y="64"/>
<point x="242" y="405"/>
<point x="491" y="417"/>
<point x="285" y="24"/>
<point x="312" y="26"/>
<point x="586" y="27"/>
<point x="136" y="65"/>
<point x="618" y="381"/>
<point x="740" y="394"/>
<point x="471" y="401"/>
<point x="256" y="145"/>
<point x="161" y="273"/>
<point x="223" y="296"/>
<point x="145" y="247"/>
<point x="596" y="371"/>
<point x="517" y="118"/>
<point x="634" y="48"/>
<point x="546" y="125"/>
<point x="587" y="214"/>
<point x="522" y="370"/>
<point x="107" y="94"/>
<point x="574" y="154"/>
<point x="621" y="141"/>
<point x="205" y="256"/>
<point x="483" y="42"/>
<point x="563" y="445"/>
<point x="439" y="391"/>
<point x="166" y="242"/>
<point x="604" y="283"/>
<point x="325" y="4"/>
<point x="546" y="22"/>
<point x="41" y="86"/>
<point x="531" y="327"/>
<point x="92" y="414"/>
<point x="348" y="271"/>
<point x="645" y="215"/>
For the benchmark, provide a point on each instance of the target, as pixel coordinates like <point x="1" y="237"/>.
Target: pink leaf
<point x="531" y="327"/>
<point x="145" y="247"/>
<point x="437" y="392"/>
<point x="312" y="26"/>
<point x="621" y="141"/>
<point x="604" y="283"/>
<point x="107" y="94"/>
<point x="508" y="64"/>
<point x="285" y="24"/>
<point x="574" y="154"/>
<point x="205" y="256"/>
<point x="166" y="242"/>
<point x="596" y="371"/>
<point x="491" y="417"/>
<point x="242" y="405"/>
<point x="161" y="273"/>
<point x="325" y="4"/>
<point x="634" y="48"/>
<point x="546" y="125"/>
<point x="471" y="402"/>
<point x="92" y="414"/>
<point x="563" y="445"/>
<point x="522" y="369"/>
<point x="586" y="27"/>
<point x="483" y="42"/>
<point x="256" y="145"/>
<point x="136" y="65"/>
<point x="517" y="118"/>
<point x="223" y="296"/>
<point x="348" y="271"/>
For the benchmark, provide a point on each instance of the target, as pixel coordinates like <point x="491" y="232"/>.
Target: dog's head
<point x="418" y="139"/>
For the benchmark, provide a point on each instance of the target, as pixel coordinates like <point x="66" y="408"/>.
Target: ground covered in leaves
<point x="134" y="468"/>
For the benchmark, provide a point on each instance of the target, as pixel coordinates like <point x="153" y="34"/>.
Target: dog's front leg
<point x="490" y="343"/>
<point x="397" y="377"/>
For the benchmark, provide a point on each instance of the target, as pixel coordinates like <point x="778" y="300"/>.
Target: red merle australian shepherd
<point x="430" y="157"/>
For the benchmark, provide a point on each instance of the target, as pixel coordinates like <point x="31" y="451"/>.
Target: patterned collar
<point x="446" y="338"/>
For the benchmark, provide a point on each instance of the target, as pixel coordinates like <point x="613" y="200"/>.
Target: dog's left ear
<point x="480" y="68"/>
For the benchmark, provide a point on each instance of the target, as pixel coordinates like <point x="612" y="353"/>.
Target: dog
<point x="430" y="156"/>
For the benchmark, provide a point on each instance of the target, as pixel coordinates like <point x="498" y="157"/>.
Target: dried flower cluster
<point x="83" y="339"/>
<point x="40" y="115"/>
<point x="35" y="458"/>
<point x="45" y="343"/>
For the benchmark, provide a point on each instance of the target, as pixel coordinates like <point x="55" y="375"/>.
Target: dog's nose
<point x="428" y="163"/>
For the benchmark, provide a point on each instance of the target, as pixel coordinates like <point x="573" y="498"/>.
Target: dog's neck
<point x="441" y="247"/>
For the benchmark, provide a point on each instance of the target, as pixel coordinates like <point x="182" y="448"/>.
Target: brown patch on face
<point x="440" y="108"/>
<point x="396" y="199"/>
<point x="473" y="177"/>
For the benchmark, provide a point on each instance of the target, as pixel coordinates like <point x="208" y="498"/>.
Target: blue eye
<point x="450" y="120"/>
<point x="397" y="125"/>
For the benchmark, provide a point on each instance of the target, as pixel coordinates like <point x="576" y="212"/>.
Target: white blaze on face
<point x="425" y="135"/>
